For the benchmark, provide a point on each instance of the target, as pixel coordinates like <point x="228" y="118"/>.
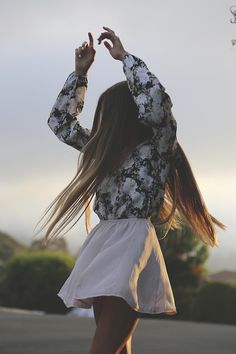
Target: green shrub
<point x="215" y="302"/>
<point x="184" y="300"/>
<point x="32" y="280"/>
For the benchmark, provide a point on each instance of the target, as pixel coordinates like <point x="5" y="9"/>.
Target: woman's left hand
<point x="84" y="56"/>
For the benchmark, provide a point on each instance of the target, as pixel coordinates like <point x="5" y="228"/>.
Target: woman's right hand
<point x="117" y="51"/>
<point x="84" y="56"/>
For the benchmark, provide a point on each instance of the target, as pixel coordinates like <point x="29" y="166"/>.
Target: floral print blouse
<point x="136" y="188"/>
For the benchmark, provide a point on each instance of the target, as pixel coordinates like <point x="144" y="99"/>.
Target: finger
<point x="90" y="39"/>
<point x="84" y="44"/>
<point x="107" y="45"/>
<point x="106" y="35"/>
<point x="109" y="33"/>
<point x="108" y="29"/>
<point x="78" y="52"/>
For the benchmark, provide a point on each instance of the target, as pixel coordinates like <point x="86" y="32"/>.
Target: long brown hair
<point x="114" y="134"/>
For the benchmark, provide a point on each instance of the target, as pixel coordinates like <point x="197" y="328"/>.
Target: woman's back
<point x="136" y="188"/>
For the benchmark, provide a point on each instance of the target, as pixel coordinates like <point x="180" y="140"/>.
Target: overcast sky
<point x="187" y="44"/>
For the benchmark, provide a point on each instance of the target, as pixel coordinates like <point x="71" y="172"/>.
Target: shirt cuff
<point x="82" y="79"/>
<point x="127" y="57"/>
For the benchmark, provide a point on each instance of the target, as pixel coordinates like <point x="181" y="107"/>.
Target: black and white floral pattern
<point x="68" y="105"/>
<point x="136" y="188"/>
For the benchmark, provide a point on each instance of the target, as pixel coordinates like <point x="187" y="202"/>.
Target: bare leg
<point x="116" y="322"/>
<point x="97" y="307"/>
<point x="127" y="349"/>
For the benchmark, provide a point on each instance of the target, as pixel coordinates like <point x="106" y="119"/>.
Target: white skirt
<point x="121" y="257"/>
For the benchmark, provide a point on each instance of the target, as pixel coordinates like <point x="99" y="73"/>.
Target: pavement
<point x="25" y="332"/>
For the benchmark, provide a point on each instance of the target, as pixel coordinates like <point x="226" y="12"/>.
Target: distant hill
<point x="53" y="245"/>
<point x="224" y="276"/>
<point x="9" y="246"/>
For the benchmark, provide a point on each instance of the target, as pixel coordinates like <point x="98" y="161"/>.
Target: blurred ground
<point x="27" y="333"/>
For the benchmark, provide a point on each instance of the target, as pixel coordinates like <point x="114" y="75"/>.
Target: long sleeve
<point x="154" y="104"/>
<point x="69" y="103"/>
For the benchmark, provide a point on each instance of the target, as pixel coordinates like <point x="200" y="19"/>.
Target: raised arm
<point x="70" y="101"/>
<point x="68" y="105"/>
<point x="154" y="104"/>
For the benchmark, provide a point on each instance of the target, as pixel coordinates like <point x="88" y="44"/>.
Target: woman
<point x="133" y="164"/>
